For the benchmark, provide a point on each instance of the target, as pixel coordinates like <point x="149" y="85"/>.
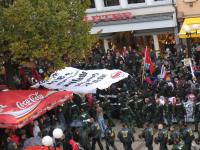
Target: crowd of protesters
<point x="138" y="100"/>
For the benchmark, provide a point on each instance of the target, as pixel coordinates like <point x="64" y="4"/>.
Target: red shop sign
<point x="117" y="16"/>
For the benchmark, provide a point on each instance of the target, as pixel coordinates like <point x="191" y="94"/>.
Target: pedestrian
<point x="83" y="139"/>
<point x="196" y="113"/>
<point x="188" y="136"/>
<point x="159" y="112"/>
<point x="68" y="137"/>
<point x="147" y="111"/>
<point x="5" y="136"/>
<point x="174" y="135"/>
<point x="168" y="111"/>
<point x="73" y="111"/>
<point x="127" y="113"/>
<point x="126" y="137"/>
<point x="31" y="126"/>
<point x="110" y="137"/>
<point x="36" y="128"/>
<point x="84" y="116"/>
<point x="162" y="137"/>
<point x="106" y="106"/>
<point x="179" y="111"/>
<point x="178" y="146"/>
<point x="138" y="107"/>
<point x="95" y="133"/>
<point x="61" y="117"/>
<point x="147" y="134"/>
<point x="100" y="119"/>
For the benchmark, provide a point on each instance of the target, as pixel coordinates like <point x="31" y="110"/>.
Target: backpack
<point x="79" y="146"/>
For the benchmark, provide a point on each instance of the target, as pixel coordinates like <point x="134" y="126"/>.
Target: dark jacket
<point x="68" y="137"/>
<point x="109" y="135"/>
<point x="126" y="135"/>
<point x="162" y="136"/>
<point x="187" y="135"/>
<point x="83" y="139"/>
<point x="95" y="131"/>
<point x="61" y="118"/>
<point x="148" y="135"/>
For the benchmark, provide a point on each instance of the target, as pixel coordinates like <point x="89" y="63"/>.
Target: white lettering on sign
<point x="32" y="98"/>
<point x="2" y="107"/>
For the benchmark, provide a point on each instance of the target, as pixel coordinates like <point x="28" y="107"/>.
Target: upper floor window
<point x="108" y="3"/>
<point x="135" y="1"/>
<point x="92" y="5"/>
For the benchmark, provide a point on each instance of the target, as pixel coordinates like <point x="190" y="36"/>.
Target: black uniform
<point x="188" y="136"/>
<point x="174" y="135"/>
<point x="126" y="137"/>
<point x="162" y="139"/>
<point x="110" y="138"/>
<point x="179" y="111"/>
<point x="148" y="135"/>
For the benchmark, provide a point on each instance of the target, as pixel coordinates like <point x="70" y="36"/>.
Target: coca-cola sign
<point x="30" y="100"/>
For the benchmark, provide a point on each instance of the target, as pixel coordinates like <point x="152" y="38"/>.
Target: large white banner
<point x="82" y="81"/>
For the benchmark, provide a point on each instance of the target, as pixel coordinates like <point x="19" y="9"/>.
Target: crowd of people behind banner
<point x="137" y="99"/>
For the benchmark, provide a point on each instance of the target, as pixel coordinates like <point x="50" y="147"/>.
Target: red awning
<point x="19" y="107"/>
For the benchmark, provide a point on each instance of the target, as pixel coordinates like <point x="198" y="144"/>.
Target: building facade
<point x="188" y="9"/>
<point x="133" y="23"/>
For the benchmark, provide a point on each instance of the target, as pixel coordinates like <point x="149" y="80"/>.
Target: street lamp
<point x="187" y="29"/>
<point x="47" y="140"/>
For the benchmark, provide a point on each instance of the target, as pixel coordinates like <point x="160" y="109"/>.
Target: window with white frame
<point x="135" y="1"/>
<point x="108" y="3"/>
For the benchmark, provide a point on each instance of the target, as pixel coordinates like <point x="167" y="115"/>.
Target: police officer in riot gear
<point x="174" y="135"/>
<point x="110" y="137"/>
<point x="159" y="112"/>
<point x="84" y="116"/>
<point x="127" y="113"/>
<point x="147" y="110"/>
<point x="106" y="107"/>
<point x="73" y="110"/>
<point x="168" y="111"/>
<point x="179" y="111"/>
<point x="148" y="135"/>
<point x="188" y="136"/>
<point x="162" y="138"/>
<point x="196" y="113"/>
<point x="126" y="137"/>
<point x="85" y="105"/>
<point x="130" y="101"/>
<point x="178" y="146"/>
<point x="138" y="109"/>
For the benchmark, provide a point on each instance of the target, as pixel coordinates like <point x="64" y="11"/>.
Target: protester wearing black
<point x="68" y="137"/>
<point x="83" y="139"/>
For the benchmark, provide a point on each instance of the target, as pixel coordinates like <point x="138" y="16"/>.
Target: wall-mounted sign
<point x="109" y="17"/>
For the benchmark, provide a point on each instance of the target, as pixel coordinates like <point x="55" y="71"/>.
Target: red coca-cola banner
<point x="19" y="107"/>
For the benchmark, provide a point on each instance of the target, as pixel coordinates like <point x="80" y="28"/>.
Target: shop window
<point x="135" y="1"/>
<point x="108" y="3"/>
<point x="92" y="5"/>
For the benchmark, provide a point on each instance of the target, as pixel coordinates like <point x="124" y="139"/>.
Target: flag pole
<point x="144" y="66"/>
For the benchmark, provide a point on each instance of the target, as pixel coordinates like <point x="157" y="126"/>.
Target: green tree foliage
<point x="45" y="29"/>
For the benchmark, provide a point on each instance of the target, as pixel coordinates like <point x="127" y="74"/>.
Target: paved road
<point x="139" y="144"/>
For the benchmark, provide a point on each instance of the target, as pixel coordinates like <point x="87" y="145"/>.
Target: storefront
<point x="133" y="23"/>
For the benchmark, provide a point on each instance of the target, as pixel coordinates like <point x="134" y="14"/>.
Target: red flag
<point x="148" y="61"/>
<point x="35" y="75"/>
<point x="163" y="73"/>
